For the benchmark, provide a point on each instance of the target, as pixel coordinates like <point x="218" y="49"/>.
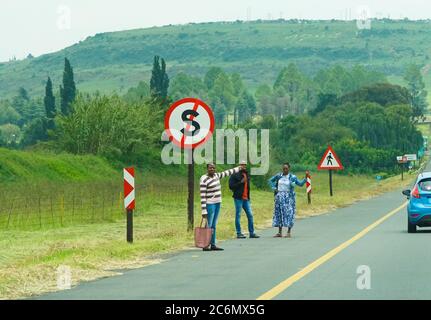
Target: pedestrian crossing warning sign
<point x="330" y="161"/>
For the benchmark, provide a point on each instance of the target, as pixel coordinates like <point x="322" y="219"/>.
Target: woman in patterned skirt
<point x="283" y="185"/>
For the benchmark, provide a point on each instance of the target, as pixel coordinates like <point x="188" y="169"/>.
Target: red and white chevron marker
<point x="129" y="188"/>
<point x="308" y="183"/>
<point x="129" y="200"/>
<point x="308" y="186"/>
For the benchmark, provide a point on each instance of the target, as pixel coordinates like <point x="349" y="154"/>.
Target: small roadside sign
<point x="401" y="159"/>
<point x="129" y="188"/>
<point x="308" y="185"/>
<point x="129" y="200"/>
<point x="330" y="161"/>
<point x="411" y="157"/>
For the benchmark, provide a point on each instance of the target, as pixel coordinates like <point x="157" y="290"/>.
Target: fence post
<point x="103" y="205"/>
<point x="40" y="213"/>
<point x="73" y="207"/>
<point x="23" y="221"/>
<point x="61" y="209"/>
<point x="52" y="211"/>
<point x="92" y="209"/>
<point x="112" y="205"/>
<point x="10" y="213"/>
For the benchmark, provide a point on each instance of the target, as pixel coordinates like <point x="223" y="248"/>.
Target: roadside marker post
<point x="129" y="200"/>
<point x="308" y="186"/>
<point x="330" y="162"/>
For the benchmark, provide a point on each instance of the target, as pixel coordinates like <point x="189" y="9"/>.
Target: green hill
<point x="35" y="167"/>
<point x="257" y="50"/>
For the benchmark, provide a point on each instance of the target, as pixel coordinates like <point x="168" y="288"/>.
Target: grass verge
<point x="29" y="259"/>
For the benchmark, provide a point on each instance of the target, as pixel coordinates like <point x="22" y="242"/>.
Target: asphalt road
<point x="320" y="262"/>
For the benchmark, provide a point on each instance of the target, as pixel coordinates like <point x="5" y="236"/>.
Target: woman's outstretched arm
<point x="228" y="172"/>
<point x="299" y="182"/>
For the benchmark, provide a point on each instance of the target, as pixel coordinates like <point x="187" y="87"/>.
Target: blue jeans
<point x="213" y="211"/>
<point x="243" y="204"/>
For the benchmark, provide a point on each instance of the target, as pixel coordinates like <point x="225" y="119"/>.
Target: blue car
<point x="419" y="206"/>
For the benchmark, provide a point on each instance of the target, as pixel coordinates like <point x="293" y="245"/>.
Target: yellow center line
<point x="272" y="293"/>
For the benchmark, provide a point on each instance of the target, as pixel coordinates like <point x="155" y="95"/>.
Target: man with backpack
<point x="239" y="183"/>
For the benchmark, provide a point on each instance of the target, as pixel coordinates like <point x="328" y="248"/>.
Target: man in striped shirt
<point x="210" y="190"/>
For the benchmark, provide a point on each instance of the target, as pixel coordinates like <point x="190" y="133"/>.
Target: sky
<point x="44" y="26"/>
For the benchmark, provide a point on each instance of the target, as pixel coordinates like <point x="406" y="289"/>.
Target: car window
<point x="425" y="185"/>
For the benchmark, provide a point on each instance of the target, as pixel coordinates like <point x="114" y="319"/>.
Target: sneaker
<point x="240" y="236"/>
<point x="254" y="236"/>
<point x="215" y="248"/>
<point x="206" y="249"/>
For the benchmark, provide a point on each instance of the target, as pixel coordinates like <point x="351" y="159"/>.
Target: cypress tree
<point x="20" y="103"/>
<point x="49" y="100"/>
<point x="159" y="82"/>
<point x="164" y="81"/>
<point x="23" y="94"/>
<point x="155" y="77"/>
<point x="68" y="90"/>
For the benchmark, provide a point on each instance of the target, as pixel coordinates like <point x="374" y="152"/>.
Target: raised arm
<point x="227" y="173"/>
<point x="299" y="182"/>
<point x="203" y="192"/>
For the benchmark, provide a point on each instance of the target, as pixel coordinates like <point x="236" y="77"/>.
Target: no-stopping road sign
<point x="189" y="122"/>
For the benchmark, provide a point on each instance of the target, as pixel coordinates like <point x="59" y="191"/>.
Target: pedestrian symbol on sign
<point x="329" y="159"/>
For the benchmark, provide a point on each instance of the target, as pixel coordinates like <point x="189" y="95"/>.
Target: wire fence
<point x="55" y="206"/>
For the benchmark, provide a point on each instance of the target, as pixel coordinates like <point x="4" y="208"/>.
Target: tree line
<point x="368" y="120"/>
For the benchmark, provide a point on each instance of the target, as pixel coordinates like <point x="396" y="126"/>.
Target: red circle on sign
<point x="198" y="103"/>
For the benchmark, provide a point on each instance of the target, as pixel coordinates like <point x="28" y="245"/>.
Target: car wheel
<point x="411" y="228"/>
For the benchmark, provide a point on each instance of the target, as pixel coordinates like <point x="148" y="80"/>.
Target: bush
<point x="110" y="127"/>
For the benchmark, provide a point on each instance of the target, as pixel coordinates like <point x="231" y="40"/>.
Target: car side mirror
<point x="406" y="192"/>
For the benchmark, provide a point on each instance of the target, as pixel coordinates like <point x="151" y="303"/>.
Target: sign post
<point x="129" y="200"/>
<point x="191" y="191"/>
<point x="330" y="182"/>
<point x="189" y="122"/>
<point x="330" y="161"/>
<point x="402" y="160"/>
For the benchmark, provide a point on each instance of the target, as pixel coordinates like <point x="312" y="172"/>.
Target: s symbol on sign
<point x="189" y="121"/>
